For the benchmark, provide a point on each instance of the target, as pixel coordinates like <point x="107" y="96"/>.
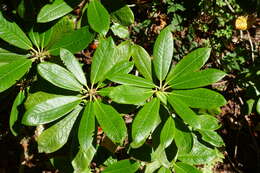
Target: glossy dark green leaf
<point x="103" y="60"/>
<point x="40" y="39"/>
<point x="105" y="91"/>
<point x="162" y="53"/>
<point x="74" y="41"/>
<point x="59" y="76"/>
<point x="37" y="97"/>
<point x="124" y="16"/>
<point x="184" y="112"/>
<point x="122" y="166"/>
<point x="55" y="10"/>
<point x="200" y="98"/>
<point x="145" y="122"/>
<point x="142" y="61"/>
<point x="132" y="80"/>
<point x="126" y="94"/>
<point x="122" y="67"/>
<point x="8" y="57"/>
<point x="167" y="133"/>
<point x="73" y="65"/>
<point x="15" y="110"/>
<point x="120" y="31"/>
<point x="200" y="154"/>
<point x="190" y="63"/>
<point x="197" y="79"/>
<point x="207" y="122"/>
<point x="212" y="137"/>
<point x="111" y="122"/>
<point x="87" y="127"/>
<point x="124" y="51"/>
<point x="164" y="170"/>
<point x="180" y="167"/>
<point x="10" y="73"/>
<point x="35" y="38"/>
<point x="183" y="137"/>
<point x="12" y="33"/>
<point x="63" y="27"/>
<point x="83" y="159"/>
<point x="98" y="17"/>
<point x="50" y="110"/>
<point x="57" y="135"/>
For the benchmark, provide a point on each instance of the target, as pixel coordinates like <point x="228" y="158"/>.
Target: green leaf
<point x="212" y="137"/>
<point x="9" y="57"/>
<point x="122" y="67"/>
<point x="12" y="33"/>
<point x="105" y="91"/>
<point x="53" y="11"/>
<point x="74" y="41"/>
<point x="39" y="37"/>
<point x="180" y="167"/>
<point x="197" y="79"/>
<point x="200" y="98"/>
<point x="35" y="38"/>
<point x="10" y="73"/>
<point x="62" y="28"/>
<point x="207" y="122"/>
<point x="152" y="167"/>
<point x="167" y="133"/>
<point x="182" y="137"/>
<point x="59" y="76"/>
<point x="15" y="110"/>
<point x="142" y="61"/>
<point x="184" y="111"/>
<point x="145" y="122"/>
<point x="103" y="60"/>
<point x="57" y="135"/>
<point x="160" y="155"/>
<point x="111" y="122"/>
<point x="50" y="110"/>
<point x="87" y="127"/>
<point x="98" y="17"/>
<point x="73" y="65"/>
<point x="126" y="94"/>
<point x="190" y="63"/>
<point x="120" y="31"/>
<point x="38" y="97"/>
<point x="162" y="52"/>
<point x="164" y="170"/>
<point x="162" y="96"/>
<point x="200" y="154"/>
<point x="258" y="106"/>
<point x="83" y="159"/>
<point x="128" y="166"/>
<point x="124" y="51"/>
<point x="124" y="16"/>
<point x="132" y="80"/>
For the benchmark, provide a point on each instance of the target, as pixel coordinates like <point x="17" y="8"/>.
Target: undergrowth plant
<point x="169" y="106"/>
<point x="156" y="112"/>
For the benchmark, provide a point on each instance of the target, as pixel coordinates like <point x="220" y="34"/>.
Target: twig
<point x="251" y="45"/>
<point x="229" y="6"/>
